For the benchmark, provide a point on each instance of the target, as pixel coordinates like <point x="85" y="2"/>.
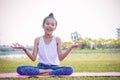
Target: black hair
<point x="49" y="16"/>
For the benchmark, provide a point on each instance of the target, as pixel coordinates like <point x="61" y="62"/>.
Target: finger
<point x="17" y="44"/>
<point x="14" y="45"/>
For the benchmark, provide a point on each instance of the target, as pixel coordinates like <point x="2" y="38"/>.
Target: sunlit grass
<point x="94" y="62"/>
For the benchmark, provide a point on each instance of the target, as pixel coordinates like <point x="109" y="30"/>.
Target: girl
<point x="48" y="47"/>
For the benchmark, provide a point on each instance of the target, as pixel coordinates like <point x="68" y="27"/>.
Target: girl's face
<point x="49" y="26"/>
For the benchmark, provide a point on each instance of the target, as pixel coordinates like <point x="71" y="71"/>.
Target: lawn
<point x="87" y="62"/>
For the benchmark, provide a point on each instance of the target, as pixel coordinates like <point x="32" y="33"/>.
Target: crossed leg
<point x="31" y="70"/>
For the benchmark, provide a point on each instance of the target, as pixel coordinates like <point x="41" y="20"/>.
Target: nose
<point x="50" y="25"/>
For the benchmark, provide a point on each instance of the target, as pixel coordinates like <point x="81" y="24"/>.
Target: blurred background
<point x="95" y="23"/>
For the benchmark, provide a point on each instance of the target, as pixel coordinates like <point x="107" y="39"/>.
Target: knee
<point x="20" y="70"/>
<point x="69" y="70"/>
<point x="28" y="70"/>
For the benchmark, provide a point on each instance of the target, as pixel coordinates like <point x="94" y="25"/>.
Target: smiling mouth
<point x="50" y="30"/>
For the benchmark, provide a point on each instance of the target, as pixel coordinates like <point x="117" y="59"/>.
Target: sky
<point x="21" y="20"/>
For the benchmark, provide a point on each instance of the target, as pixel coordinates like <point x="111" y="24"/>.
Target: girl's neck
<point x="47" y="36"/>
<point x="47" y="39"/>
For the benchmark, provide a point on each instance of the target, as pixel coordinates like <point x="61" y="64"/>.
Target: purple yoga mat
<point x="75" y="74"/>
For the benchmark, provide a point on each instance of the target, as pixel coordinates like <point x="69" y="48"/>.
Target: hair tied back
<point x="51" y="15"/>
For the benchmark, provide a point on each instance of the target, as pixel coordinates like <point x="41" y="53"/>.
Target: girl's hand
<point x="76" y="44"/>
<point x="18" y="46"/>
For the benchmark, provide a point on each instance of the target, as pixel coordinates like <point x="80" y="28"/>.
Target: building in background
<point x="118" y="33"/>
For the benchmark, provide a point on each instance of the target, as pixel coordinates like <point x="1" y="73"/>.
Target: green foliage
<point x="100" y="43"/>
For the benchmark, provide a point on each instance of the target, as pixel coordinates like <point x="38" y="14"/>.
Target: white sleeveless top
<point x="48" y="52"/>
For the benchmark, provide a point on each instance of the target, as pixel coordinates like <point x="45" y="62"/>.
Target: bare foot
<point x="44" y="74"/>
<point x="44" y="70"/>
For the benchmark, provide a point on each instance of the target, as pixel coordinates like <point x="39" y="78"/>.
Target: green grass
<point x="94" y="62"/>
<point x="95" y="51"/>
<point x="73" y="78"/>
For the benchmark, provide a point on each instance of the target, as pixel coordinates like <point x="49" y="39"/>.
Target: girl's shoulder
<point x="37" y="39"/>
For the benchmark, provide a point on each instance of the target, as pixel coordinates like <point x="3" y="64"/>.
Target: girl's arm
<point x="59" y="48"/>
<point x="35" y="50"/>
